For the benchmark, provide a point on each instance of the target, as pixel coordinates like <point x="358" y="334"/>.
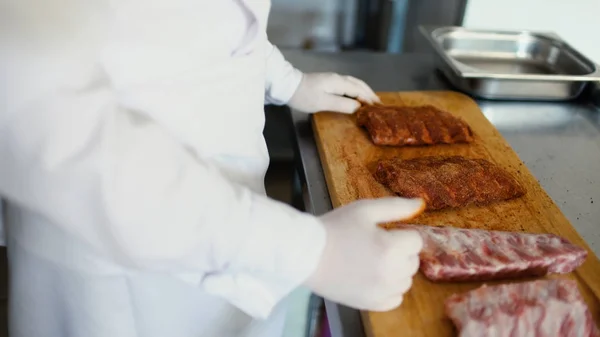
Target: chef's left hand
<point x="326" y="91"/>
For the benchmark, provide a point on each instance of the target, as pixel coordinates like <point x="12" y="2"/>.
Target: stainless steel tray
<point x="509" y="65"/>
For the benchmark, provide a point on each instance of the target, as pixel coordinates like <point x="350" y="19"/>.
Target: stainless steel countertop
<point x="559" y="143"/>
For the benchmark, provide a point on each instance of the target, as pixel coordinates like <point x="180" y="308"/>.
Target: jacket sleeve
<point x="112" y="177"/>
<point x="282" y="79"/>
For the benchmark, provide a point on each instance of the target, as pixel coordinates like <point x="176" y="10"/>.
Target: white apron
<point x="61" y="288"/>
<point x="75" y="271"/>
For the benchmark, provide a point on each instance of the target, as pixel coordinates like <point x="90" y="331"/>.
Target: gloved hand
<point x="325" y="91"/>
<point x="364" y="266"/>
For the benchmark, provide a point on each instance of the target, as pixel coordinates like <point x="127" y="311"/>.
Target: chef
<point x="133" y="163"/>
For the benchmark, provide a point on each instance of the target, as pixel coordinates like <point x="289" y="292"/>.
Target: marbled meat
<point x="456" y="254"/>
<point x="545" y="308"/>
<point x="421" y="125"/>
<point x="448" y="182"/>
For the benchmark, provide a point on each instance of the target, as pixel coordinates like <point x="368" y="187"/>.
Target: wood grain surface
<point x="348" y="156"/>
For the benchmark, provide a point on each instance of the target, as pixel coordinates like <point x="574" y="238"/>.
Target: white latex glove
<point x="364" y="266"/>
<point x="326" y="91"/>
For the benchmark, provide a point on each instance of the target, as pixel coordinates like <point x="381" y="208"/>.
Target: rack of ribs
<point x="457" y="254"/>
<point x="448" y="182"/>
<point x="535" y="309"/>
<point x="422" y="125"/>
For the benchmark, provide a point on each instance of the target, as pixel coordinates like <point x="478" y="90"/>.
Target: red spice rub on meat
<point x="448" y="182"/>
<point x="422" y="125"/>
<point x="545" y="308"/>
<point x="455" y="254"/>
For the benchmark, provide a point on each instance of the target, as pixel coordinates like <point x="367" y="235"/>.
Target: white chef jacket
<point x="133" y="163"/>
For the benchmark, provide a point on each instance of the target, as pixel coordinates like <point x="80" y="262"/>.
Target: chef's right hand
<point x="364" y="266"/>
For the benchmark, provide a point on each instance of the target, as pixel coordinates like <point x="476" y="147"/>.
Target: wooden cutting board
<point x="347" y="155"/>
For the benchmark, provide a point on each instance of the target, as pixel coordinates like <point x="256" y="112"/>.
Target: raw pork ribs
<point x="448" y="181"/>
<point x="456" y="254"/>
<point x="423" y="125"/>
<point x="546" y="308"/>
